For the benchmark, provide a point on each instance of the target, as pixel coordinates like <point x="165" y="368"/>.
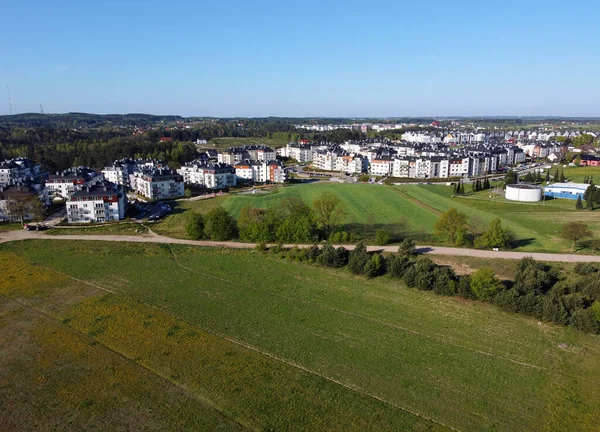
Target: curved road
<point x="19" y="235"/>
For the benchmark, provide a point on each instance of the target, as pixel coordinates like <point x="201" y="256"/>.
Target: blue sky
<point x="311" y="58"/>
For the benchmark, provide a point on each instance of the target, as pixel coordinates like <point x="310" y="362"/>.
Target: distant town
<point x="430" y="153"/>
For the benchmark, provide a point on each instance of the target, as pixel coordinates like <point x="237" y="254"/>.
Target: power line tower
<point x="41" y="109"/>
<point x="9" y="101"/>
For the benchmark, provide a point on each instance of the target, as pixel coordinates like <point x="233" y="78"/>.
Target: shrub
<point x="397" y="266"/>
<point x="444" y="281"/>
<point x="261" y="247"/>
<point x="407" y="248"/>
<point x="375" y="266"/>
<point x="219" y="225"/>
<point x="194" y="227"/>
<point x="383" y="237"/>
<point x="585" y="320"/>
<point x="358" y="258"/>
<point x="485" y="284"/>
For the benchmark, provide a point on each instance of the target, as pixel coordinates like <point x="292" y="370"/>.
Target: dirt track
<point x="436" y="250"/>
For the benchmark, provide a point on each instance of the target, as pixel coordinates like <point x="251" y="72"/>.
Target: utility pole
<point x="9" y="101"/>
<point x="41" y="109"/>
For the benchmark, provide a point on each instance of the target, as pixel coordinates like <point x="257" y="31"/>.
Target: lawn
<point x="537" y="226"/>
<point x="270" y="344"/>
<point x="576" y="174"/>
<point x="368" y="206"/>
<point x="173" y="225"/>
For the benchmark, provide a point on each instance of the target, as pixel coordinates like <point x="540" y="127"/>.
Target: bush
<point x="383" y="237"/>
<point x="463" y="287"/>
<point x="358" y="258"/>
<point x="219" y="225"/>
<point x="332" y="257"/>
<point x="342" y="237"/>
<point x="444" y="281"/>
<point x="397" y="266"/>
<point x="585" y="320"/>
<point x="407" y="248"/>
<point x="194" y="227"/>
<point x="375" y="266"/>
<point x="485" y="284"/>
<point x="261" y="247"/>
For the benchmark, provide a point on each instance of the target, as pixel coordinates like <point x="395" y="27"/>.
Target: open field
<point x="537" y="226"/>
<point x="225" y="143"/>
<point x="576" y="174"/>
<point x="219" y="338"/>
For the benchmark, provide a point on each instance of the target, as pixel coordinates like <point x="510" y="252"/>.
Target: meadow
<point x="258" y="342"/>
<point x="577" y="174"/>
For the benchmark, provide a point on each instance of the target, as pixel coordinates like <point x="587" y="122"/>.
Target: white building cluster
<point x="16" y="170"/>
<point x="406" y="159"/>
<point x="64" y="184"/>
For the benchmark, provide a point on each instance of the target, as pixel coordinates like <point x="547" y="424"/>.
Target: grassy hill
<point x="183" y="337"/>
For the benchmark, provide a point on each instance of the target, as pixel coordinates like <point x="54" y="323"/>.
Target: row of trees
<point x="293" y="221"/>
<point x="541" y="291"/>
<point x="454" y="226"/>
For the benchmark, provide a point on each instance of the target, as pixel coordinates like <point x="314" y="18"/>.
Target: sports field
<point x="124" y="335"/>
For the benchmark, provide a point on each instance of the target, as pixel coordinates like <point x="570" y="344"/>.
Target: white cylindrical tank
<point x="523" y="193"/>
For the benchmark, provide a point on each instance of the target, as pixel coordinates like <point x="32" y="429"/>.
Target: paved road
<point x="10" y="236"/>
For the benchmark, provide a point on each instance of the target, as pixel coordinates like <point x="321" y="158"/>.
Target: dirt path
<point x="11" y="236"/>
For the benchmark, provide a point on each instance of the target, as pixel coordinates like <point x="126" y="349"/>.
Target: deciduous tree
<point x="450" y="224"/>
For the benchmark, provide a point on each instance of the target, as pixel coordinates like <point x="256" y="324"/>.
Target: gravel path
<point x="10" y="236"/>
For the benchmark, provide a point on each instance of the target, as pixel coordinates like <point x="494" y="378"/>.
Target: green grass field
<point x="576" y="174"/>
<point x="237" y="339"/>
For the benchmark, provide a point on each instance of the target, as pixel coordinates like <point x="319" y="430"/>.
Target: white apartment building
<point x="102" y="202"/>
<point x="211" y="176"/>
<point x="18" y="169"/>
<point x="458" y="167"/>
<point x="157" y="184"/>
<point x="63" y="185"/>
<point x="301" y="152"/>
<point x="261" y="172"/>
<point x="381" y="167"/>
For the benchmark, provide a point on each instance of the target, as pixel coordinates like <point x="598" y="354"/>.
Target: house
<point x="590" y="160"/>
<point x="554" y="157"/>
<point x="158" y="184"/>
<point x="101" y="202"/>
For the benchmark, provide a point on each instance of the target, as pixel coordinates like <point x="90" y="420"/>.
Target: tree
<point x="328" y="211"/>
<point x="575" y="231"/>
<point x="556" y="175"/>
<point x="485" y="284"/>
<point x="219" y="225"/>
<point x="562" y="176"/>
<point x="358" y="258"/>
<point x="495" y="236"/>
<point x="187" y="193"/>
<point x="407" y="248"/>
<point x="511" y="178"/>
<point x="375" y="266"/>
<point x="22" y="204"/>
<point x="591" y="196"/>
<point x="579" y="204"/>
<point x="383" y="237"/>
<point x="451" y="224"/>
<point x="195" y="226"/>
<point x="547" y="176"/>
